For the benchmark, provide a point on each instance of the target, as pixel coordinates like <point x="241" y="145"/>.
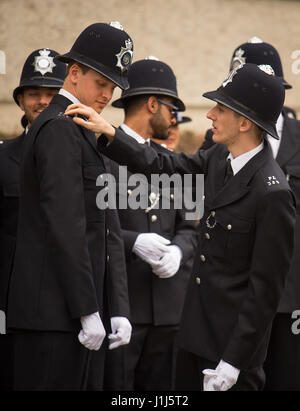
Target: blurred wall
<point x="195" y="37"/>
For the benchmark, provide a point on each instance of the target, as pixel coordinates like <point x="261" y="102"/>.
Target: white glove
<point x="150" y="246"/>
<point x="169" y="264"/>
<point x="93" y="331"/>
<point x="220" y="379"/>
<point x="121" y="332"/>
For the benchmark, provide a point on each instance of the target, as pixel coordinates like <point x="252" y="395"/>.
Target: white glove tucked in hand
<point x="121" y="332"/>
<point x="150" y="246"/>
<point x="220" y="379"/>
<point x="169" y="264"/>
<point x="93" y="331"/>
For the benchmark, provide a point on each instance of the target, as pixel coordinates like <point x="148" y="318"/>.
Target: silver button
<point x="203" y="198"/>
<point x="207" y="236"/>
<point x="152" y="197"/>
<point x="153" y="218"/>
<point x="107" y="232"/>
<point x="198" y="280"/>
<point x="229" y="227"/>
<point x="107" y="258"/>
<point x="129" y="192"/>
<point x="172" y="196"/>
<point x="213" y="213"/>
<point x="202" y="258"/>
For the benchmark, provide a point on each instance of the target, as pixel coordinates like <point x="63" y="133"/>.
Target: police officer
<point x="63" y="288"/>
<point x="261" y="53"/>
<point x="242" y="260"/>
<point x="173" y="137"/>
<point x="281" y="367"/>
<point x="159" y="242"/>
<point x="40" y="80"/>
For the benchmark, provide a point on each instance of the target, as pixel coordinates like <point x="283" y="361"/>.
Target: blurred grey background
<point x="195" y="37"/>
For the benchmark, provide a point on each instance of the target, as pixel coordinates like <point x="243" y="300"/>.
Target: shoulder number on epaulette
<point x="272" y="180"/>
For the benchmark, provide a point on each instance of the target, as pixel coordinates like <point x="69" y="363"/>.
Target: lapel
<point x="290" y="141"/>
<point x="238" y="186"/>
<point x="16" y="155"/>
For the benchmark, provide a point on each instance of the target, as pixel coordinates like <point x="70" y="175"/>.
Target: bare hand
<point x="93" y="121"/>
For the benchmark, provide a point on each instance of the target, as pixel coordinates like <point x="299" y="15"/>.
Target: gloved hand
<point x="220" y="379"/>
<point x="169" y="264"/>
<point x="121" y="332"/>
<point x="150" y="246"/>
<point x="93" y="332"/>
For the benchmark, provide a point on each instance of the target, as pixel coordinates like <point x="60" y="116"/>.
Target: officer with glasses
<point x="159" y="243"/>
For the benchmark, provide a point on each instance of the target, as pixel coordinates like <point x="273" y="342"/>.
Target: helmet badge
<point x="125" y="56"/>
<point x="232" y="74"/>
<point x="43" y="63"/>
<point x="267" y="69"/>
<point x="238" y="58"/>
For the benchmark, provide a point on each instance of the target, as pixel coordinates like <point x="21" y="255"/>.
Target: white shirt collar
<point x="68" y="95"/>
<point x="239" y="162"/>
<point x="275" y="144"/>
<point x="134" y="135"/>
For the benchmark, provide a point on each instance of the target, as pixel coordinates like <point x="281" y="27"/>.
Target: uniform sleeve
<point x="271" y="258"/>
<point x="58" y="160"/>
<point x="116" y="267"/>
<point x="140" y="158"/>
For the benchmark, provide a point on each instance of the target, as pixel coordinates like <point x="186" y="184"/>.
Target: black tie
<point x="228" y="171"/>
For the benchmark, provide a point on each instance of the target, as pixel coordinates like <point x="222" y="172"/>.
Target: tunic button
<point x="202" y="258"/>
<point x="152" y="197"/>
<point x="129" y="192"/>
<point x="213" y="213"/>
<point x="107" y="232"/>
<point x="229" y="227"/>
<point x="207" y="236"/>
<point x="154" y="218"/>
<point x="198" y="280"/>
<point x="107" y="258"/>
<point x="172" y="196"/>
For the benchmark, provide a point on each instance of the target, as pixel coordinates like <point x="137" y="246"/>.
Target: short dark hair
<point x="134" y="103"/>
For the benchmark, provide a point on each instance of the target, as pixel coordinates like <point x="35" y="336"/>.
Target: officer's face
<point x="162" y="120"/>
<point x="34" y="100"/>
<point x="93" y="89"/>
<point x="226" y="124"/>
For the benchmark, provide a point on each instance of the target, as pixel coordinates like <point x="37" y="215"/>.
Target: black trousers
<point x="147" y="363"/>
<point x="282" y="365"/>
<point x="189" y="375"/>
<point x="6" y="362"/>
<point x="55" y="361"/>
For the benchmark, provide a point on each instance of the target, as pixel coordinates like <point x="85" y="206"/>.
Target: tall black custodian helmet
<point x="40" y="70"/>
<point x="105" y="48"/>
<point x="151" y="76"/>
<point x="258" y="52"/>
<point x="255" y="93"/>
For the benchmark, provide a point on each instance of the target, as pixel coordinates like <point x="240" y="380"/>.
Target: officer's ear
<point x="245" y="124"/>
<point x="74" y="72"/>
<point x="20" y="98"/>
<point x="152" y="104"/>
